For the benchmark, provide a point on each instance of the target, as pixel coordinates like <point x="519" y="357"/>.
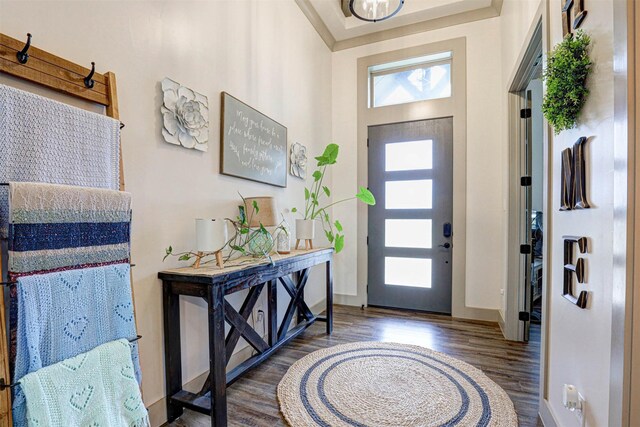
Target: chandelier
<point x="375" y="10"/>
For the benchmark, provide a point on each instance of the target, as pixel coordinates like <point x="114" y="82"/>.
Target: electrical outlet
<point x="574" y="402"/>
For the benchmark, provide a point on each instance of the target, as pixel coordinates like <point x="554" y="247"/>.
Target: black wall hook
<point x="88" y="81"/>
<point x="4" y="385"/>
<point x="23" y="56"/>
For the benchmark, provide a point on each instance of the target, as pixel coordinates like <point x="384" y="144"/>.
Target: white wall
<point x="264" y="52"/>
<point x="485" y="200"/>
<point x="580" y="340"/>
<point x="515" y="19"/>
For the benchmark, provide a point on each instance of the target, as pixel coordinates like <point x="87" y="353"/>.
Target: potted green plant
<point x="247" y="240"/>
<point x="305" y="227"/>
<point x="568" y="67"/>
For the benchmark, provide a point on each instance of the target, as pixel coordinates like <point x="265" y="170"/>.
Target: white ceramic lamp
<point x="211" y="236"/>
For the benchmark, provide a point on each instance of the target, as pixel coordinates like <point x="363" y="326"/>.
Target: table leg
<point x="172" y="351"/>
<point x="329" y="274"/>
<point x="217" y="357"/>
<point x="272" y="315"/>
<point x="296" y="279"/>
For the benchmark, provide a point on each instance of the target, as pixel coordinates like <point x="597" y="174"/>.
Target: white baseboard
<point x="352" y="300"/>
<point x="483" y="314"/>
<point x="470" y="313"/>
<point x="546" y="416"/>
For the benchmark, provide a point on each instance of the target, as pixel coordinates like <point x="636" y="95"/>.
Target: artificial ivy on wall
<point x="568" y="67"/>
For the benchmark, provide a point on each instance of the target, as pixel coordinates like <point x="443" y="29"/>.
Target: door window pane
<point x="414" y="272"/>
<point x="415" y="194"/>
<point x="407" y="233"/>
<point x="407" y="156"/>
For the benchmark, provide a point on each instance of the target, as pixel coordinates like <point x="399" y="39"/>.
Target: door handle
<point x="446" y="245"/>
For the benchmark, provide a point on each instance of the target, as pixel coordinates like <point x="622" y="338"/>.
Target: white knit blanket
<point x="97" y="388"/>
<point x="42" y="140"/>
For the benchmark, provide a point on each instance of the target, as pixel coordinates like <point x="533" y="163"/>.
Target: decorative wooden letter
<point x="566" y="18"/>
<point x="573" y="14"/>
<point x="566" y="179"/>
<point x="573" y="180"/>
<point x="579" y="14"/>
<point x="579" y="176"/>
<point x="577" y="268"/>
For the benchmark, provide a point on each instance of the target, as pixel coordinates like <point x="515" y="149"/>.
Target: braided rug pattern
<point x="372" y="384"/>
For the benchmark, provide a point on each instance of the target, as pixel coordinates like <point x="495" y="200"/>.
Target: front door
<point x="410" y="227"/>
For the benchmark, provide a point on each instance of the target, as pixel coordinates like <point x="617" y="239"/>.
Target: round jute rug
<point x="372" y="384"/>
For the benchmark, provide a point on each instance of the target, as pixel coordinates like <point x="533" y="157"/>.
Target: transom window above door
<point x="410" y="80"/>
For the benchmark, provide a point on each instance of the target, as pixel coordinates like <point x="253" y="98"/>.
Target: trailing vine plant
<point x="568" y="67"/>
<point x="242" y="236"/>
<point x="312" y="196"/>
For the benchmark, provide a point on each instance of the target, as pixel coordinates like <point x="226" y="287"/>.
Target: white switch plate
<point x="580" y="414"/>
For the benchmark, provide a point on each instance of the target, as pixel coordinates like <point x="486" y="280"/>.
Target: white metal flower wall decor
<point x="185" y="116"/>
<point x="298" y="160"/>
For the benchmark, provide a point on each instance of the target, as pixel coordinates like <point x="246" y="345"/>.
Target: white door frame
<point x="514" y="297"/>
<point x="516" y="286"/>
<point x="537" y="39"/>
<point x="624" y="389"/>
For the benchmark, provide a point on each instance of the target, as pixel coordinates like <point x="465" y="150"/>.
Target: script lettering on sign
<point x="253" y="146"/>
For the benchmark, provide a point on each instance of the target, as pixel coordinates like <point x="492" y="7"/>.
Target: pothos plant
<point x="568" y="67"/>
<point x="314" y="194"/>
<point x="243" y="236"/>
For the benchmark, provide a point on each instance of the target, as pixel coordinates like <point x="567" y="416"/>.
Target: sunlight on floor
<point x="392" y="331"/>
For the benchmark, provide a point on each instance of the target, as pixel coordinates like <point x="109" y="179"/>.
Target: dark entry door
<point x="410" y="227"/>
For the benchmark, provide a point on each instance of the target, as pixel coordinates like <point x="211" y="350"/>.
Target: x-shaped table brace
<point x="240" y="327"/>
<point x="296" y="292"/>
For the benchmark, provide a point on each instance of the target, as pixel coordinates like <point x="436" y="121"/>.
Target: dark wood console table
<point x="212" y="284"/>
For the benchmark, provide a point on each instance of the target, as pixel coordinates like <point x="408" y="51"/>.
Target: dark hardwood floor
<point x="514" y="366"/>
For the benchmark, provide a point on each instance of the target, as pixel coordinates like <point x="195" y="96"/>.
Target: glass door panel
<point x="414" y="272"/>
<point x="415" y="194"/>
<point x="409" y="156"/>
<point x="408" y="233"/>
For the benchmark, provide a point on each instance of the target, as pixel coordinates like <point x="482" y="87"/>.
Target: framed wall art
<point x="252" y="145"/>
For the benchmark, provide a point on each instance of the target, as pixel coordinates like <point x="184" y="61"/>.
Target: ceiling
<point x="341" y="32"/>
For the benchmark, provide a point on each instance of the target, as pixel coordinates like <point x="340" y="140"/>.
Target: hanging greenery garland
<point x="568" y="67"/>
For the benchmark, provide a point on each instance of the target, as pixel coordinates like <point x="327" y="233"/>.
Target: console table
<point x="212" y="284"/>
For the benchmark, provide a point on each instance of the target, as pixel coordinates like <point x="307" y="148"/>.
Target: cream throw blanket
<point x="97" y="388"/>
<point x="43" y="140"/>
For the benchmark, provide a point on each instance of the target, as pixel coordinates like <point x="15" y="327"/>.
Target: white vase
<point x="211" y="234"/>
<point x="305" y="229"/>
